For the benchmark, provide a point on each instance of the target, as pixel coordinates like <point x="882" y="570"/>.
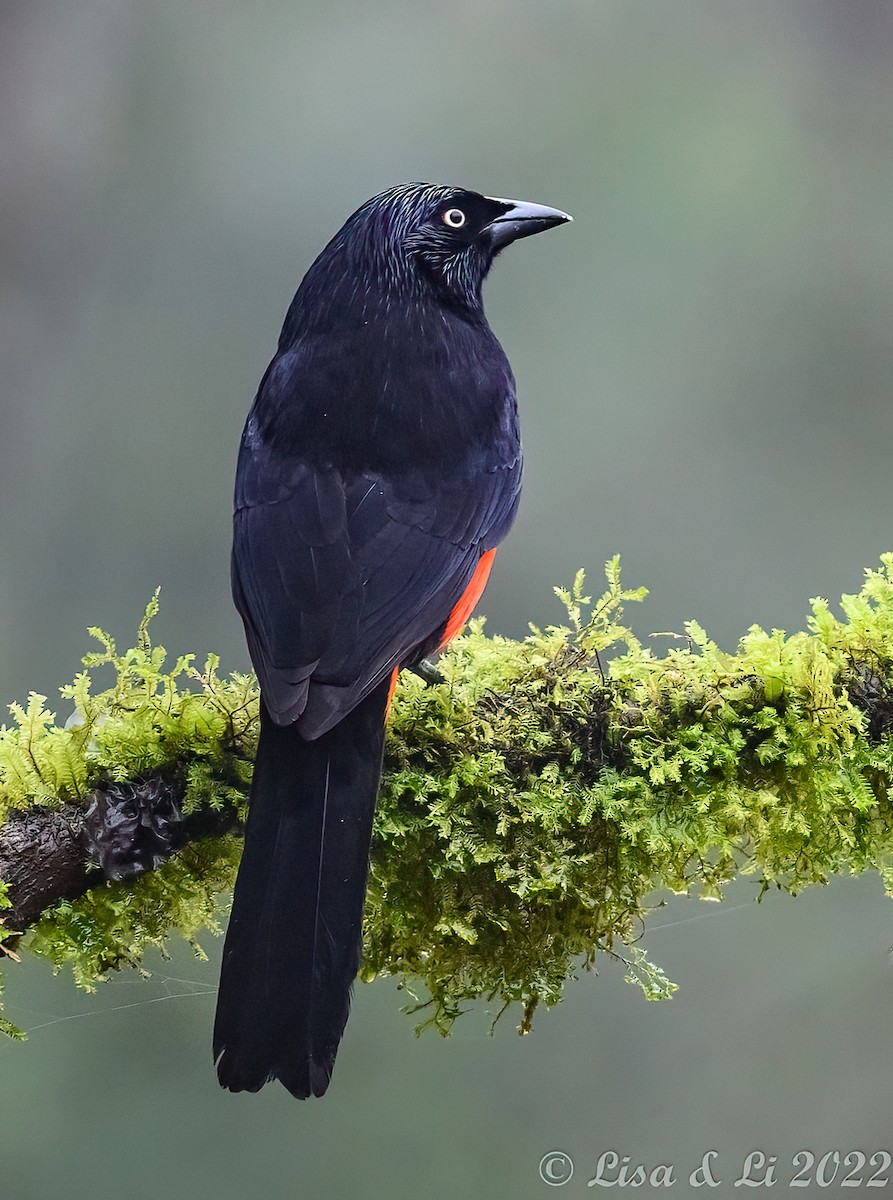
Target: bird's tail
<point x="293" y="945"/>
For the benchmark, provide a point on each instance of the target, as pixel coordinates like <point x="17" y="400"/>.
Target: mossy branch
<point x="532" y="802"/>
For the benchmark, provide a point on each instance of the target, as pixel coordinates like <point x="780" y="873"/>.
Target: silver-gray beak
<point x="521" y="220"/>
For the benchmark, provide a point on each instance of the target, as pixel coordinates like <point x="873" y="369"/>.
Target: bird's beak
<point x="521" y="220"/>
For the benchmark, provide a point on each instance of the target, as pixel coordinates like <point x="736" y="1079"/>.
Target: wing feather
<point x="342" y="579"/>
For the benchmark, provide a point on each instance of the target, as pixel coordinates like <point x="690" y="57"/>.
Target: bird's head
<point x="426" y="235"/>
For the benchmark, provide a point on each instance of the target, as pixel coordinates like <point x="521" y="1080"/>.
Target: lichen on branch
<point x="533" y="802"/>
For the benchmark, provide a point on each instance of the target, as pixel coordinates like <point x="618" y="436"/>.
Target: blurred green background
<point x="704" y="365"/>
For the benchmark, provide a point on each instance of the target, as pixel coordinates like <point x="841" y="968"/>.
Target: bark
<point x="48" y="855"/>
<point x="43" y="859"/>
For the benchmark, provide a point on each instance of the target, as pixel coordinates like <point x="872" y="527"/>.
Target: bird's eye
<point x="454" y="217"/>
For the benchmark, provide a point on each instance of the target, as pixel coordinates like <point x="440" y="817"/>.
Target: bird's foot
<point x="428" y="671"/>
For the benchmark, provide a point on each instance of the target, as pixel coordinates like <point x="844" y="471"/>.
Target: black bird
<point x="379" y="468"/>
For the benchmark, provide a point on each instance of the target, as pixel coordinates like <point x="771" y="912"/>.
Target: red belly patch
<point x="470" y="597"/>
<point x="460" y="613"/>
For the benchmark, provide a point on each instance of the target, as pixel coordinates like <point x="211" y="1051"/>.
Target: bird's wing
<point x="339" y="577"/>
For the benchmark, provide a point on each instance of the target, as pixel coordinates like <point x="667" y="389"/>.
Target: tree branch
<point x="42" y="861"/>
<point x="531" y="805"/>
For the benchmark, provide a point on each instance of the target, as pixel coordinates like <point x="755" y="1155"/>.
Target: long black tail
<point x="293" y="946"/>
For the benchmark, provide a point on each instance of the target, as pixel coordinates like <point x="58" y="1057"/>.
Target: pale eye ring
<point x="454" y="217"/>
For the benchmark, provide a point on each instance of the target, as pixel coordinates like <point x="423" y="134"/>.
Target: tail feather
<point x="294" y="940"/>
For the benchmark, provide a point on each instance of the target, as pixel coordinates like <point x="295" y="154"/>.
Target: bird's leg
<point x="425" y="669"/>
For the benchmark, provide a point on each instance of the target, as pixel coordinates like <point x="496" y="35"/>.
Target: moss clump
<point x="532" y="802"/>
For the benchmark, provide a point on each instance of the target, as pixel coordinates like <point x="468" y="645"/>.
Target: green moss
<point x="113" y="926"/>
<point x="532" y="802"/>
